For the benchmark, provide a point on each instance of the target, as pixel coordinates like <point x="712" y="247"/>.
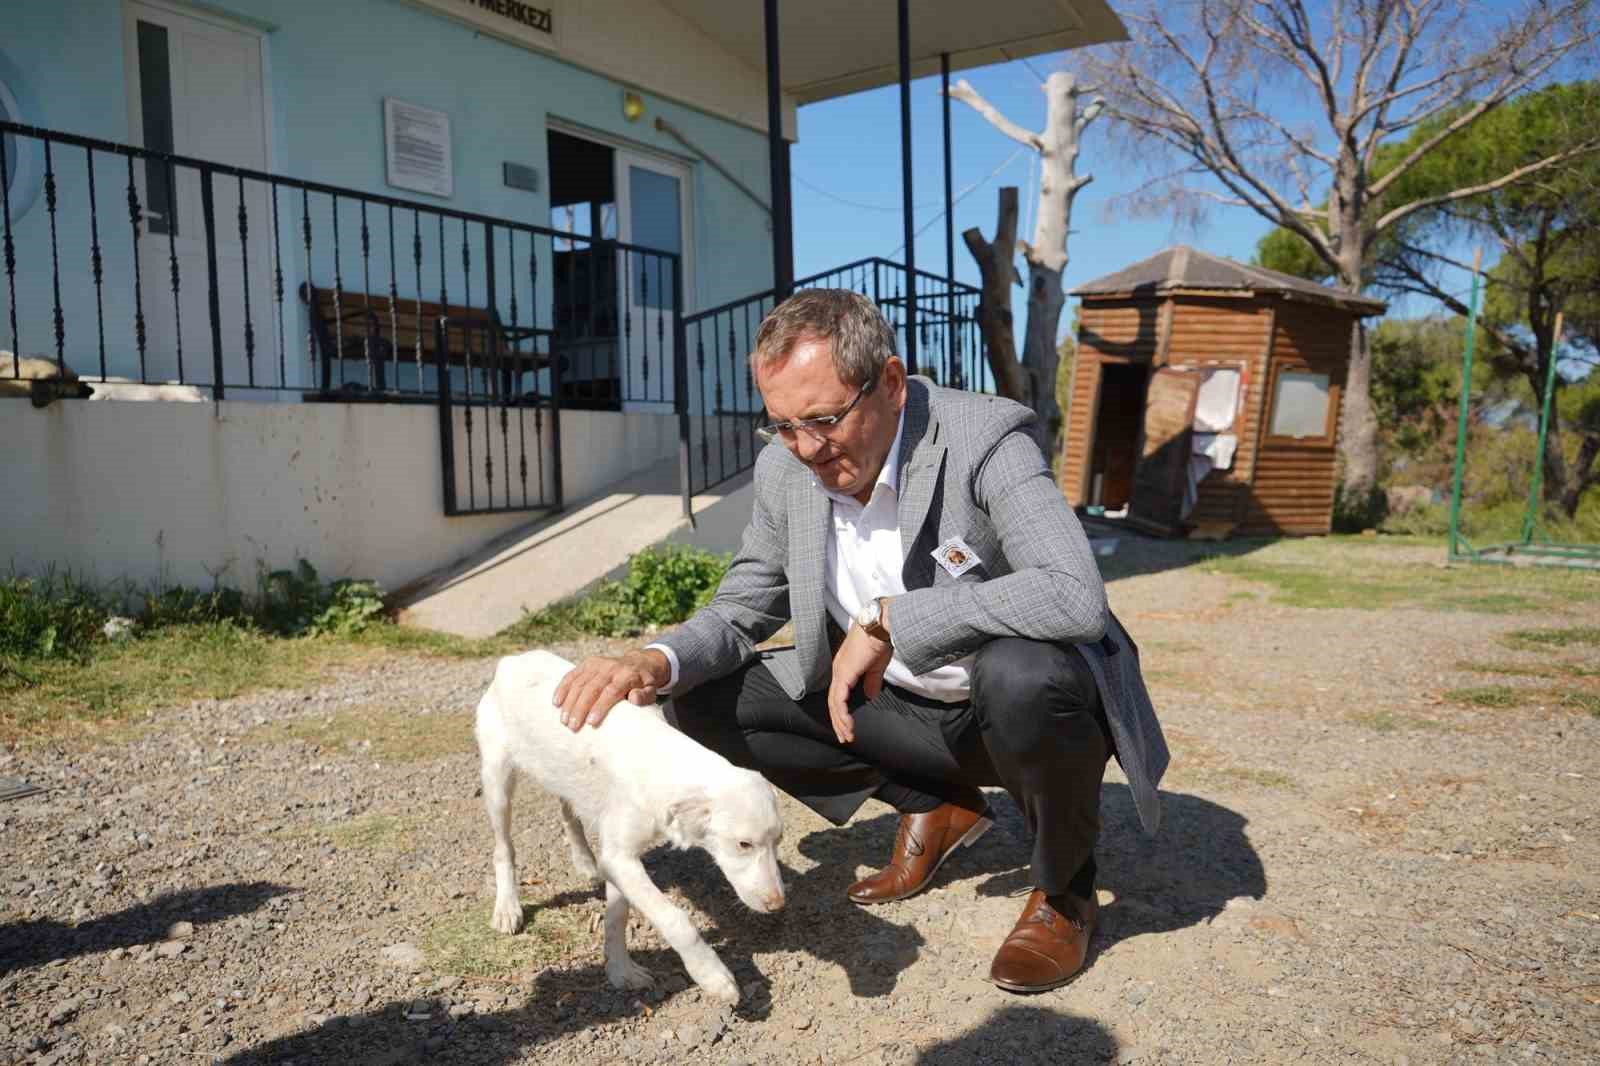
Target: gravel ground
<point x="1351" y="869"/>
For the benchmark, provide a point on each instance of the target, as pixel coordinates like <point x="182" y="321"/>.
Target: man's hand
<point x="594" y="686"/>
<point x="860" y="658"/>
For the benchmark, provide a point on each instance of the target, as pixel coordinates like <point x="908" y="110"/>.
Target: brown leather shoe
<point x="921" y="846"/>
<point x="1047" y="947"/>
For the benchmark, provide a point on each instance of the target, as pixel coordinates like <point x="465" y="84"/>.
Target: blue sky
<point x="850" y="149"/>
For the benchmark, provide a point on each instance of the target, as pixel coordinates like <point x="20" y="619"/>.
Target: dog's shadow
<point x="818" y="919"/>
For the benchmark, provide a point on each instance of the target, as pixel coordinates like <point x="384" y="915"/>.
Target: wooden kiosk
<point x="1205" y="396"/>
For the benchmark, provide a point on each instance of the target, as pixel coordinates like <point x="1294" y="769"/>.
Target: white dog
<point x="634" y="781"/>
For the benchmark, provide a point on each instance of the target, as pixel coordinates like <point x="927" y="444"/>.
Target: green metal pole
<point x="1461" y="421"/>
<point x="1532" y="512"/>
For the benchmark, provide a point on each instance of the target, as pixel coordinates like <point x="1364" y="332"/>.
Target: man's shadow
<point x="31" y="943"/>
<point x="1026" y="1034"/>
<point x="1199" y="860"/>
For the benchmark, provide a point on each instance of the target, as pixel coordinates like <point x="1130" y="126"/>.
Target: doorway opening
<point x="615" y="295"/>
<point x="1118" y="421"/>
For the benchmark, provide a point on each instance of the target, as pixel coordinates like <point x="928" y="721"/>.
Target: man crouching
<point x="951" y="629"/>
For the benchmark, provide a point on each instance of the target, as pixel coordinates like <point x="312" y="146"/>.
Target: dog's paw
<point x="628" y="975"/>
<point x="719" y="985"/>
<point x="507" y="916"/>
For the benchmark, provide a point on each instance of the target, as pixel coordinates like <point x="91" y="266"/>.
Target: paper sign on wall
<point x="417" y="148"/>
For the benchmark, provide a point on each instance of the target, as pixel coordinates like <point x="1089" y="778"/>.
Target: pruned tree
<point x="1032" y="380"/>
<point x="1223" y="86"/>
<point x="1544" y="231"/>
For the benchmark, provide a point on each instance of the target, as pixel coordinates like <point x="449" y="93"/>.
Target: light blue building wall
<point x="328" y="68"/>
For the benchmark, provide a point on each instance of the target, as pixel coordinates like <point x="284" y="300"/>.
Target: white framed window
<point x="1300" y="404"/>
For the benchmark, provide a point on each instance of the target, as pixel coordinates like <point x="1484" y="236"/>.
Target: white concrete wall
<point x="179" y="492"/>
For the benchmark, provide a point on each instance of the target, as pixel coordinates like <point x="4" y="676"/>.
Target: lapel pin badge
<point x="956" y="556"/>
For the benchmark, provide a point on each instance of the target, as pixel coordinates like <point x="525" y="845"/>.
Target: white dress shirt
<point x="865" y="559"/>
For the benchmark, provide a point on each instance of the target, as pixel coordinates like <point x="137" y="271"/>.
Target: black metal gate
<point x="499" y="418"/>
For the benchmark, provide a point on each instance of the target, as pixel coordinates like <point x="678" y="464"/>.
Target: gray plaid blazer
<point x="968" y="469"/>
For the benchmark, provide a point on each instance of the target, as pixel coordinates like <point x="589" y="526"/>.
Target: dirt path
<point x="1353" y="868"/>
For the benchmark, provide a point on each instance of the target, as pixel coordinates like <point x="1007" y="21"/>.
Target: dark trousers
<point x="1034" y="724"/>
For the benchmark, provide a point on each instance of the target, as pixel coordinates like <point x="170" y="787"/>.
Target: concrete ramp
<point x="549" y="560"/>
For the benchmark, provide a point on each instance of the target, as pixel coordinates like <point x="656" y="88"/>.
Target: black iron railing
<point x="140" y="268"/>
<point x="723" y="405"/>
<point x="231" y="279"/>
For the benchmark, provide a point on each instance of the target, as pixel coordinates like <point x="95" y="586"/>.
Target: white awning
<point x="833" y="48"/>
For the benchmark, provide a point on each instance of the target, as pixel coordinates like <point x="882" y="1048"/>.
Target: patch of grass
<point x="1264" y="778"/>
<point x="1492" y="603"/>
<point x="389" y="735"/>
<point x="1586" y="700"/>
<point x="1507" y="669"/>
<point x="1549" y="669"/>
<point x="663" y="586"/>
<point x="372" y="832"/>
<point x="1320" y="575"/>
<point x="464" y="945"/>
<point x="1390" y="722"/>
<point x="1487" y="696"/>
<point x="1553" y="638"/>
<point x="118" y="681"/>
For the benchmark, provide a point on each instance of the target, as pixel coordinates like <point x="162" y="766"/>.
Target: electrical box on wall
<point x="521" y="176"/>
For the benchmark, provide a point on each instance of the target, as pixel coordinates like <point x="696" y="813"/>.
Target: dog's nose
<point x="773" y="901"/>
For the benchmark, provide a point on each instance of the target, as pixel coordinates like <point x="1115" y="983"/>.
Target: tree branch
<point x="1402" y="211"/>
<point x="964" y="92"/>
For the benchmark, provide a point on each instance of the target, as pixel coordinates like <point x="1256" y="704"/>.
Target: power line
<point x="857" y="203"/>
<point x="969" y="190"/>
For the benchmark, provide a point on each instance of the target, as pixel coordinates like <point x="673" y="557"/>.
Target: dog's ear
<point x="688" y="818"/>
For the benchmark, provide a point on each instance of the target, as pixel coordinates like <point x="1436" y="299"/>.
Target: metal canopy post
<point x="949" y="233"/>
<point x="778" y="164"/>
<point x="905" y="182"/>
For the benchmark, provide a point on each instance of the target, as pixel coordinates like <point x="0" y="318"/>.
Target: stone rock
<point x="171" y="949"/>
<point x="180" y="931"/>
<point x="404" y="955"/>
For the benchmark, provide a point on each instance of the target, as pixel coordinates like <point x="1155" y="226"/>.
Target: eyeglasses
<point x="819" y="427"/>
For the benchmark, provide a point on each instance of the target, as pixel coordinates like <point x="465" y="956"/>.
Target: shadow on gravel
<point x="24" y="944"/>
<point x="561" y="1002"/>
<point x="1025" y="1034"/>
<point x="1137" y="554"/>
<point x="1184" y="875"/>
<point x="817" y="920"/>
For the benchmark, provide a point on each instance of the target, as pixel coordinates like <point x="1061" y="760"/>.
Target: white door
<point x="653" y="208"/>
<point x="195" y="89"/>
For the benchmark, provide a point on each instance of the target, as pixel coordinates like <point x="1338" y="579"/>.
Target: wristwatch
<point x="870" y="618"/>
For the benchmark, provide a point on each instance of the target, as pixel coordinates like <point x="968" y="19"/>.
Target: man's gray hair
<point x="861" y="340"/>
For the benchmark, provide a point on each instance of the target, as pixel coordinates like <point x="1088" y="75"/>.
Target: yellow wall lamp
<point x="632" y="105"/>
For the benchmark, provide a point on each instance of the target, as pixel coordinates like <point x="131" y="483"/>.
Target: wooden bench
<point x="353" y="325"/>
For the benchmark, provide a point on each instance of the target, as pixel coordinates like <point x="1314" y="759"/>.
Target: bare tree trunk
<point x="1034" y="381"/>
<point x="995" y="264"/>
<point x="1039" y="355"/>
<point x="1358" y="434"/>
<point x="1584" y="476"/>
